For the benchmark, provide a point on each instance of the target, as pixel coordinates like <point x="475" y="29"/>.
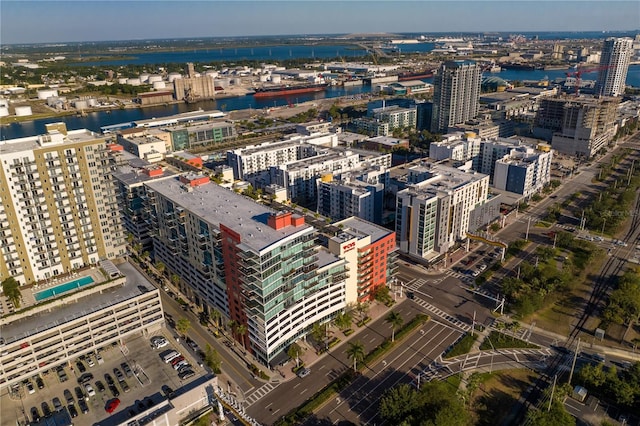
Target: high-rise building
<point x="260" y="268"/>
<point x="58" y="207"/>
<point x="456" y="97"/>
<point x="614" y="64"/>
<point x="434" y="212"/>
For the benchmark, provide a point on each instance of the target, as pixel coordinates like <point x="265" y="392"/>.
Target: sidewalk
<point x="309" y="356"/>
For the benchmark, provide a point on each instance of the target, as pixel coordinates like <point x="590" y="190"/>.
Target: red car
<point x="112" y="405"/>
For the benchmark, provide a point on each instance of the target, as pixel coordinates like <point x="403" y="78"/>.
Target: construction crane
<point x="583" y="70"/>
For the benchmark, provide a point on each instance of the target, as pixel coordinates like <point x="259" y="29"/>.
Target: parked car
<point x="46" y="411"/>
<point x="30" y="389"/>
<point x="85" y="378"/>
<point x="89" y="389"/>
<point x="90" y="362"/>
<point x="68" y="396"/>
<point x="126" y="369"/>
<point x="83" y="406"/>
<point x="114" y="391"/>
<point x="72" y="411"/>
<point x="125" y="386"/>
<point x="79" y="393"/>
<point x="112" y="405"/>
<point x="109" y="379"/>
<point x="100" y="386"/>
<point x="35" y="414"/>
<point x="57" y="404"/>
<point x="99" y="359"/>
<point x="186" y="374"/>
<point x="180" y="364"/>
<point x="81" y="367"/>
<point x="118" y="374"/>
<point x="158" y="342"/>
<point x="39" y="382"/>
<point x="62" y="375"/>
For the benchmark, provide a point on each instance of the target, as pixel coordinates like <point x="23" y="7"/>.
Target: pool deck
<point x="28" y="295"/>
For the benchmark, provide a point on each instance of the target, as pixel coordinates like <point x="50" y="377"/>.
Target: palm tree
<point x="216" y="316"/>
<point x="362" y="309"/>
<point x="343" y="320"/>
<point x="160" y="267"/>
<point x="395" y="319"/>
<point x="241" y="329"/>
<point x="232" y="326"/>
<point x="183" y="326"/>
<point x="356" y="353"/>
<point x="175" y="279"/>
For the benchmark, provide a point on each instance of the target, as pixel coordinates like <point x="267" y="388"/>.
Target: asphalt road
<point x="285" y="396"/>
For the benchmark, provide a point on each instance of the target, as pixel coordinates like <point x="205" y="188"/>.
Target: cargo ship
<point x="521" y="67"/>
<point x="406" y="76"/>
<point x="265" y="92"/>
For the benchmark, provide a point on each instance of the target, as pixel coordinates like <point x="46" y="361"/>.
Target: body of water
<point x="95" y="120"/>
<point x="62" y="288"/>
<point x="260" y="53"/>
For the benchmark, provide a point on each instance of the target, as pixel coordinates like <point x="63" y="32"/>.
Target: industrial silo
<point x="47" y="93"/>
<point x="144" y="77"/>
<point x="133" y="81"/>
<point x="158" y="85"/>
<point x="154" y="78"/>
<point x="4" y="111"/>
<point x="174" y="76"/>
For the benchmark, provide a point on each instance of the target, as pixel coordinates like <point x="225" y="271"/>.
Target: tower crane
<point x="579" y="70"/>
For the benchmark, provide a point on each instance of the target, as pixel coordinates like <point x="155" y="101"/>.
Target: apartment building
<point x="198" y="134"/>
<point x="129" y="178"/>
<point x="341" y="199"/>
<point x="58" y="207"/>
<point x="147" y="147"/>
<point x="396" y="116"/>
<point x="434" y="211"/>
<point x="579" y="126"/>
<point x="253" y="159"/>
<point x="259" y="268"/>
<point x="614" y="65"/>
<point x="525" y="171"/>
<point x="44" y="338"/>
<point x="456" y="97"/>
<point x="372" y="126"/>
<point x="371" y="254"/>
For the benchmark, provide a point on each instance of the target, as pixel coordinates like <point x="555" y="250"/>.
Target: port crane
<point x="579" y="70"/>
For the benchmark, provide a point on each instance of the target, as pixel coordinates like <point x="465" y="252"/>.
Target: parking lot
<point x="135" y="374"/>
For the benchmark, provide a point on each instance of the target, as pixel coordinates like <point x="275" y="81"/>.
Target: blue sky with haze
<point x="27" y="21"/>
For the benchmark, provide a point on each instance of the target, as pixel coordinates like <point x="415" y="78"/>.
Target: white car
<point x="159" y="342"/>
<point x="475" y="273"/>
<point x="598" y="238"/>
<point x="89" y="390"/>
<point x="90" y="362"/>
<point x="30" y="389"/>
<point x="482" y="267"/>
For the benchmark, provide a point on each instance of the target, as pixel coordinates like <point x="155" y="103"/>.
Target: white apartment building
<point x="433" y="213"/>
<point x="258" y="267"/>
<point x="396" y="116"/>
<point x="614" y="64"/>
<point x="526" y="171"/>
<point x="147" y="147"/>
<point x="58" y="207"/>
<point x="455" y="146"/>
<point x="456" y="97"/>
<point x="339" y="200"/>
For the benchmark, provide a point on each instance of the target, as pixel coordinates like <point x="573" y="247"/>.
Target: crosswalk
<point x="442" y="314"/>
<point x="260" y="392"/>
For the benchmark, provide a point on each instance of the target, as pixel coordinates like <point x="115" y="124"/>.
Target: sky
<point x="28" y="21"/>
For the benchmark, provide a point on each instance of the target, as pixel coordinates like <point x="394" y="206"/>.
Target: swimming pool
<point x="62" y="288"/>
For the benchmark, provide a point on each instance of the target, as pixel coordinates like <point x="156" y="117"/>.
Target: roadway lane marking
<point x="299" y="384"/>
<point x="270" y="404"/>
<point x="323" y="366"/>
<point x="373" y="339"/>
<point x="304" y="390"/>
<point x="273" y="413"/>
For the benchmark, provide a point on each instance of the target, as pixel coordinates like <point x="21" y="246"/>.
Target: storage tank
<point x="276" y="78"/>
<point x="4" y="111"/>
<point x="144" y="77"/>
<point x="173" y="76"/>
<point x="221" y="82"/>
<point x="133" y="81"/>
<point x="81" y="104"/>
<point x="154" y="78"/>
<point x="157" y="85"/>
<point x="23" y="111"/>
<point x="92" y="102"/>
<point x="4" y="102"/>
<point x="211" y="73"/>
<point x="264" y="78"/>
<point x="122" y="81"/>
<point x="47" y="93"/>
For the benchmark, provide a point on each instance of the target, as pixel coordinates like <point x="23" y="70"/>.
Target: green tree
<point x="241" y="330"/>
<point x="212" y="359"/>
<point x="624" y="302"/>
<point x="294" y="352"/>
<point x="395" y="319"/>
<point x="160" y="267"/>
<point x="175" y="279"/>
<point x="355" y="352"/>
<point x="182" y="326"/>
<point x="216" y="316"/>
<point x="11" y="289"/>
<point x="557" y="416"/>
<point x="362" y="309"/>
<point x="397" y="403"/>
<point x="343" y="320"/>
<point x="318" y="332"/>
